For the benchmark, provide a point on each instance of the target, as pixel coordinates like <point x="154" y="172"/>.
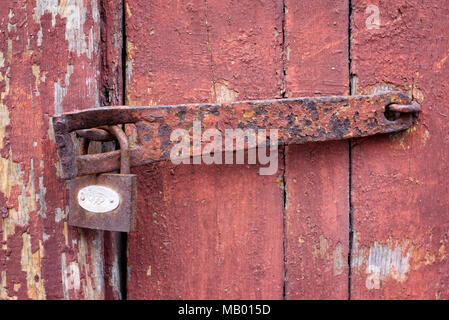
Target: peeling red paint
<point x="42" y="71"/>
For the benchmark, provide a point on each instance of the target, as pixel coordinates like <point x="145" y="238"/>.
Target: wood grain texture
<point x="316" y="175"/>
<point x="400" y="191"/>
<point x="49" y="63"/>
<point x="111" y="94"/>
<point x="213" y="231"/>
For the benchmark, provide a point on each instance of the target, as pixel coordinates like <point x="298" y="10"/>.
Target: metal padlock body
<point x="91" y="196"/>
<point x="105" y="201"/>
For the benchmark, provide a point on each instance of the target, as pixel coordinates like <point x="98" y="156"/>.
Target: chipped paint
<point x="75" y="14"/>
<point x="31" y="264"/>
<point x="425" y="136"/>
<point x="339" y="261"/>
<point x="320" y="250"/>
<point x="43" y="62"/>
<point x="384" y="262"/>
<point x="381" y="261"/>
<point x="60" y="91"/>
<point x="224" y="94"/>
<point x="36" y="69"/>
<point x="399" y="193"/>
<point x="41" y="197"/>
<point x="60" y="215"/>
<point x="70" y="276"/>
<point x="25" y="199"/>
<point x="3" y="288"/>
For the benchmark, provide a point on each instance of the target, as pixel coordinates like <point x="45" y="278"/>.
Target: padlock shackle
<point x="124" y="148"/>
<point x="122" y="139"/>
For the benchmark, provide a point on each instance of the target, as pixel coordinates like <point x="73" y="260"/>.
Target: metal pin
<point x="405" y="108"/>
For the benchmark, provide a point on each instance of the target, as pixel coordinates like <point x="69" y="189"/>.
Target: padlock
<point x="105" y="201"/>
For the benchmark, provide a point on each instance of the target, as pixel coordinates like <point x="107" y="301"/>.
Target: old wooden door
<point x="366" y="218"/>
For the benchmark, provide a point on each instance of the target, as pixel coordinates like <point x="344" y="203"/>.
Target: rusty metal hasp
<point x="100" y="200"/>
<point x="298" y="120"/>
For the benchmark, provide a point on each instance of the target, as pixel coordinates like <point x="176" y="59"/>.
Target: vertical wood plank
<point x="213" y="231"/>
<point x="111" y="94"/>
<point x="400" y="190"/>
<point x="316" y="175"/>
<point x="49" y="63"/>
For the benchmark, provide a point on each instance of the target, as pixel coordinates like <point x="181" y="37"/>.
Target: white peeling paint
<point x="59" y="215"/>
<point x="338" y="259"/>
<point x="74" y="13"/>
<point x="43" y="6"/>
<point x="98" y="263"/>
<point x="26" y="199"/>
<point x="2" y="60"/>
<point x="60" y="92"/>
<point x="224" y="94"/>
<point x="92" y="89"/>
<point x="45" y="237"/>
<point x="381" y="261"/>
<point x="65" y="289"/>
<point x="95" y="12"/>
<point x="70" y="276"/>
<point x="384" y="262"/>
<point x="114" y="281"/>
<point x="42" y="192"/>
<point x="90" y="48"/>
<point x="59" y="95"/>
<point x="129" y="71"/>
<point x="73" y="276"/>
<point x="39" y="37"/>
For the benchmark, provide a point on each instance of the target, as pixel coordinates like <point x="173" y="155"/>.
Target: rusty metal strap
<point x="298" y="120"/>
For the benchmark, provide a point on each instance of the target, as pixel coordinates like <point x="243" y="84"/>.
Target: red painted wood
<point x="205" y="231"/>
<point x="48" y="63"/>
<point x="317" y="186"/>
<point x="111" y="93"/>
<point x="400" y="191"/>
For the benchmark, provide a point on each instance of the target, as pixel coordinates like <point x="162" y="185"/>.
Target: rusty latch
<point x="298" y="120"/>
<point x="107" y="201"/>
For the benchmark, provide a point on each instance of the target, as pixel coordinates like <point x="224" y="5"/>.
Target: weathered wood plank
<point x="111" y="93"/>
<point x="205" y="231"/>
<point x="48" y="63"/>
<point x="316" y="175"/>
<point x="400" y="190"/>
